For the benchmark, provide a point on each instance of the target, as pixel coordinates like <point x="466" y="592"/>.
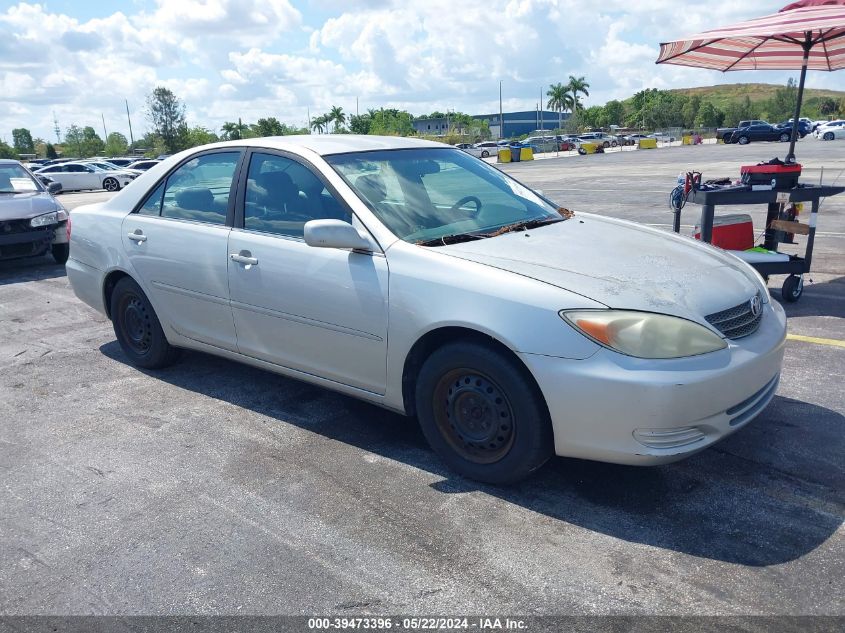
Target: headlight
<point x="44" y="220"/>
<point x="644" y="334"/>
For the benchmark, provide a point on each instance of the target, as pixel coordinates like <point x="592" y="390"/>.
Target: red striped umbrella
<point x="807" y="34"/>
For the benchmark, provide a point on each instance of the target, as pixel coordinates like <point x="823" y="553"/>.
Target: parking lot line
<point x="832" y="342"/>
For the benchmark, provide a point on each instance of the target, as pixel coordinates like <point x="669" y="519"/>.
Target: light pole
<point x="501" y="116"/>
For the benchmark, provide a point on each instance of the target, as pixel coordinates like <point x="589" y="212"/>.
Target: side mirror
<point x="54" y="187"/>
<point x="335" y="234"/>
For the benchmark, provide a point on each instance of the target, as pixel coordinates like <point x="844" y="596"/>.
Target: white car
<point x="830" y="130"/>
<point x="662" y="137"/>
<point x="77" y="176"/>
<point x="108" y="166"/>
<point x="411" y="275"/>
<point x="487" y="148"/>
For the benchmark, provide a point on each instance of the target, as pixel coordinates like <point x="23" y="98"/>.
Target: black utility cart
<point x="776" y="228"/>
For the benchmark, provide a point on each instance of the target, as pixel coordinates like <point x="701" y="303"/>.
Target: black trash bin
<point x="515" y="151"/>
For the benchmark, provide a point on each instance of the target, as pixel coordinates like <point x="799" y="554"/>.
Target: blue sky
<point x="285" y="58"/>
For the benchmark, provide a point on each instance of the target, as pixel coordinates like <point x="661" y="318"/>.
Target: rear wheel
<point x="484" y="153"/>
<point x="111" y="184"/>
<point x="784" y="137"/>
<point x="137" y="327"/>
<point x="483" y="414"/>
<point x="744" y="140"/>
<point x="60" y="252"/>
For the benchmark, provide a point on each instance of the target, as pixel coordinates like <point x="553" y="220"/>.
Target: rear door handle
<point x="137" y="237"/>
<point x="243" y="259"/>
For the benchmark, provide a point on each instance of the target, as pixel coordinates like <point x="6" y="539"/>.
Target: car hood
<point x="25" y="205"/>
<point x="621" y="265"/>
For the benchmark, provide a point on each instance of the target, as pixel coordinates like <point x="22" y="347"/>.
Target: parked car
<point x="488" y="148"/>
<point x="469" y="148"/>
<point x="662" y="137"/>
<point x="632" y="139"/>
<point x="78" y="176"/>
<point x="515" y="331"/>
<point x="122" y="162"/>
<point x="804" y="128"/>
<point x="108" y="166"/>
<point x="760" y="132"/>
<point x="32" y="221"/>
<point x="143" y="165"/>
<point x="830" y="130"/>
<point x="542" y="144"/>
<point x="600" y="138"/>
<point x="725" y="133"/>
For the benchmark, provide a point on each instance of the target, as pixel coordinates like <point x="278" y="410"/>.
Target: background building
<point x="519" y="123"/>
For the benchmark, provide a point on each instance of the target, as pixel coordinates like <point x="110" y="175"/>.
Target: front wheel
<point x="793" y="288"/>
<point x="137" y="327"/>
<point x="485" y="154"/>
<point x="60" y="252"/>
<point x="828" y="136"/>
<point x="483" y="414"/>
<point x="111" y="184"/>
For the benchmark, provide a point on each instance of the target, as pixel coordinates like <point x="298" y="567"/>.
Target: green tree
<point x="709" y="116"/>
<point x="233" y="131"/>
<point x="22" y="140"/>
<point x="337" y="116"/>
<point x="737" y="111"/>
<point x="360" y="123"/>
<point x="827" y="106"/>
<point x="268" y="127"/>
<point x="50" y="152"/>
<point x="578" y="86"/>
<point x="166" y="113"/>
<point x="689" y="111"/>
<point x="782" y="105"/>
<point x="559" y="100"/>
<point x="6" y="151"/>
<point x="116" y="144"/>
<point x="197" y="135"/>
<point x="74" y="139"/>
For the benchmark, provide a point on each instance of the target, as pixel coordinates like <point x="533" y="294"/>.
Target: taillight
<point x="67" y="228"/>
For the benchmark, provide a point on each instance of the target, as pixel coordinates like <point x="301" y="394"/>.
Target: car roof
<point x="9" y="161"/>
<point x="326" y="144"/>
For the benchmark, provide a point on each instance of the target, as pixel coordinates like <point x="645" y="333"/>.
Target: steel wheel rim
<point x="135" y="324"/>
<point x="474" y="416"/>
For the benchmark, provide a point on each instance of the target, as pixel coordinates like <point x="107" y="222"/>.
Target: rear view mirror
<point x="335" y="234"/>
<point x="54" y="187"/>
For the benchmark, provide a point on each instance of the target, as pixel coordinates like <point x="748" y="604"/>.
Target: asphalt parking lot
<point x="215" y="488"/>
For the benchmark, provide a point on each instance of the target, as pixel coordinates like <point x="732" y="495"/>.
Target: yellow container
<point x="590" y="148"/>
<point x="526" y="153"/>
<point x="505" y="155"/>
<point x="648" y="143"/>
<point x="686" y="140"/>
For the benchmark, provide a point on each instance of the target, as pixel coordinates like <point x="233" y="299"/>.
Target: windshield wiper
<point x="455" y="238"/>
<point x="523" y="226"/>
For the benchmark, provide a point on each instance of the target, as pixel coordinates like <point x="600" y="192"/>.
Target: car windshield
<point x="15" y="179"/>
<point x="431" y="195"/>
<point x="105" y="166"/>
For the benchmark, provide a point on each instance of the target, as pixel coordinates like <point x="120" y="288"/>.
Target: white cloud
<point x="254" y="58"/>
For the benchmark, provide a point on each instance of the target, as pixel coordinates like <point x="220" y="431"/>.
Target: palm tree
<point x="337" y="115"/>
<point x="560" y="100"/>
<point x="319" y="123"/>
<point x="233" y="131"/>
<point x="576" y="86"/>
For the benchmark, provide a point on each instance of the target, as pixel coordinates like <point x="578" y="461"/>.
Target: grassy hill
<point x="721" y="95"/>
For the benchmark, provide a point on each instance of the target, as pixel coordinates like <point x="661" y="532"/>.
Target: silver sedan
<point x="417" y="277"/>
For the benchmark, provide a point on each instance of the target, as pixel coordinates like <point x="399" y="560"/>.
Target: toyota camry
<point x="412" y="275"/>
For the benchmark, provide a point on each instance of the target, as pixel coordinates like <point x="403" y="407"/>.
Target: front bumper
<point x="615" y="408"/>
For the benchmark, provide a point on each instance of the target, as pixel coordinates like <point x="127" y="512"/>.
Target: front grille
<point x="9" y="227"/>
<point x="737" y="321"/>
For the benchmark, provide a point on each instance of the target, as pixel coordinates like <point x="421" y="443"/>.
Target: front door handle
<point x="137" y="236"/>
<point x="243" y="258"/>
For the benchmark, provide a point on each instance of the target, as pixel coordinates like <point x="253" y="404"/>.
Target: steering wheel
<point x="464" y="200"/>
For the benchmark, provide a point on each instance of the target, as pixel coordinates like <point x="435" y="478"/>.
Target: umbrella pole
<point x="808" y="43"/>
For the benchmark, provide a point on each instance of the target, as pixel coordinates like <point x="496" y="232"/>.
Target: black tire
<point x="60" y="252"/>
<point x="744" y="140"/>
<point x="828" y="136"/>
<point x="614" y="143"/>
<point x="485" y="153"/>
<point x="726" y="139"/>
<point x="137" y="327"/>
<point x="582" y="151"/>
<point x="792" y="289"/>
<point x="605" y="144"/>
<point x="483" y="414"/>
<point x="111" y="184"/>
<point x="784" y="138"/>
